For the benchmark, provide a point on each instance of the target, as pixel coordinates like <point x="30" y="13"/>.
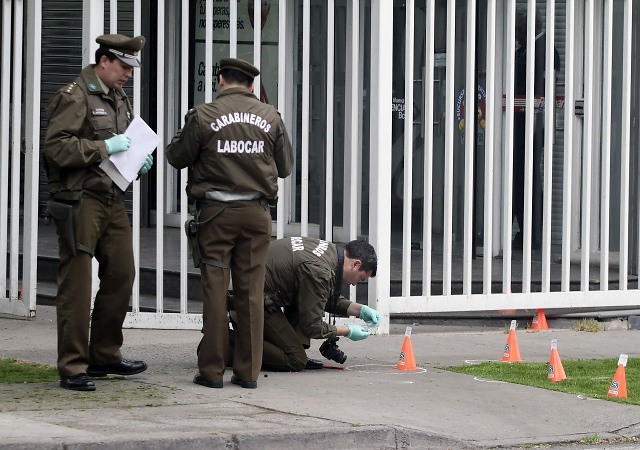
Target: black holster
<point x="64" y="209"/>
<point x="191" y="227"/>
<point x="191" y="230"/>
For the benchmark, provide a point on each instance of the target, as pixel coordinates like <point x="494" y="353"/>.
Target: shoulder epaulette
<point x="70" y="88"/>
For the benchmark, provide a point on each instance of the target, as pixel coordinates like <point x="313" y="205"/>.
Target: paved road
<point x="369" y="404"/>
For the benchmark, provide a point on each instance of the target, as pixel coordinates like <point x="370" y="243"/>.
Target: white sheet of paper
<point x="123" y="167"/>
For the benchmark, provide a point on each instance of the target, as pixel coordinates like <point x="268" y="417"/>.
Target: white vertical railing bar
<point x="569" y="105"/>
<point x="137" y="102"/>
<point x="626" y="122"/>
<point x="282" y="104"/>
<point x="257" y="43"/>
<point x="528" y="145"/>
<point x="471" y="117"/>
<point x="304" y="172"/>
<point x="329" y="135"/>
<point x="492" y="88"/>
<point x="162" y="175"/>
<point x="208" y="49"/>
<point x="5" y="76"/>
<point x="408" y="146"/>
<point x="32" y="155"/>
<point x="184" y="106"/>
<point x="233" y="30"/>
<point x="380" y="180"/>
<point x="92" y="26"/>
<point x="587" y="146"/>
<point x="447" y="244"/>
<point x="353" y="105"/>
<point x="352" y="114"/>
<point x="16" y="118"/>
<point x="625" y="144"/>
<point x="428" y="148"/>
<point x="606" y="145"/>
<point x="113" y="18"/>
<point x="507" y="183"/>
<point x="549" y="131"/>
<point x="357" y="180"/>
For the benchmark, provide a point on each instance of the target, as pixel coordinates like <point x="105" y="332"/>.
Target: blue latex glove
<point x="146" y="167"/>
<point x="118" y="143"/>
<point x="356" y="332"/>
<point x="369" y="315"/>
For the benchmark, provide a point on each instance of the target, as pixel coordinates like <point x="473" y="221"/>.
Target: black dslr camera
<point x="329" y="349"/>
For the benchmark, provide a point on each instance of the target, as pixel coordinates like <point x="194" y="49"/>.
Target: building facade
<point x="487" y="175"/>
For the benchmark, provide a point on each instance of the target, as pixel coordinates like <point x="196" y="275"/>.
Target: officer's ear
<point x="103" y="60"/>
<point x="357" y="264"/>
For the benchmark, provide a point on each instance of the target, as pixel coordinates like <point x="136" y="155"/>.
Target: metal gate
<point x="403" y="115"/>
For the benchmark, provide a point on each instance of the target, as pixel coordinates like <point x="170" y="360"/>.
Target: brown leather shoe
<point x="78" y="382"/>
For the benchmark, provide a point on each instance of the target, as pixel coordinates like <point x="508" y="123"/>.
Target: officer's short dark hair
<point x="104" y="52"/>
<point x="237" y="77"/>
<point x="365" y="252"/>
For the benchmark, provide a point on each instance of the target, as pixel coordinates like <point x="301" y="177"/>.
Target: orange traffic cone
<point x="407" y="361"/>
<point x="618" y="386"/>
<point x="511" y="350"/>
<point x="539" y="321"/>
<point x="556" y="371"/>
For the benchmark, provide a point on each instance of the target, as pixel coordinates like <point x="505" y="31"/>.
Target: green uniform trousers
<point x="104" y="229"/>
<point x="238" y="237"/>
<point x="284" y="343"/>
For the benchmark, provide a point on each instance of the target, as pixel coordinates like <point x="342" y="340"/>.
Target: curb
<point x="365" y="437"/>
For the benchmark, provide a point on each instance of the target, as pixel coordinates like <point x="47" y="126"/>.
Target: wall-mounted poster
<point x="221" y="44"/>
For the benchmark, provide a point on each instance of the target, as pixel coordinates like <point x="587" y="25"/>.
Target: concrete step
<point x="47" y="296"/>
<point x="48" y="267"/>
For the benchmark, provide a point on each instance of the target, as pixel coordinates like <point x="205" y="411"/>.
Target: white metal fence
<point x="444" y="234"/>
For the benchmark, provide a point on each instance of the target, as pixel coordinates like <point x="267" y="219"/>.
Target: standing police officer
<point x="87" y="119"/>
<point x="236" y="148"/>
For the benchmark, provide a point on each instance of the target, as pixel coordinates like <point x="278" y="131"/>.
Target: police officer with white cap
<point x="87" y="121"/>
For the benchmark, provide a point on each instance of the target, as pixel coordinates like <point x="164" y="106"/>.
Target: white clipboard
<point x="123" y="167"/>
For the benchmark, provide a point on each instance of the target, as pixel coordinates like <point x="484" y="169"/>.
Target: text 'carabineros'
<point x="240" y="117"/>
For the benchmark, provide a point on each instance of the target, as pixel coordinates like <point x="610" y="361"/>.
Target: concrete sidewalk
<point x="368" y="405"/>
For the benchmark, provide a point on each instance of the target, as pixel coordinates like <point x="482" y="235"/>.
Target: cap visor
<point x="133" y="62"/>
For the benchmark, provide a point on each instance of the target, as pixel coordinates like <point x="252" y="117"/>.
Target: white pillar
<point x="380" y="184"/>
<point x="92" y="27"/>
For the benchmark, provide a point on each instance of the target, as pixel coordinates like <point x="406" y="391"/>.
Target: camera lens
<point x="329" y="349"/>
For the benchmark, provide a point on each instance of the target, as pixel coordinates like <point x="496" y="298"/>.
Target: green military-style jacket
<point x="234" y="144"/>
<point x="301" y="275"/>
<point x="81" y="116"/>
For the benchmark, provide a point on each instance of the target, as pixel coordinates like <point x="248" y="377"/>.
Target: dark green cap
<point x="240" y="65"/>
<point x="124" y="47"/>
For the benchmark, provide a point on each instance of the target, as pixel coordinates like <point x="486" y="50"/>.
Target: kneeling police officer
<point x="303" y="281"/>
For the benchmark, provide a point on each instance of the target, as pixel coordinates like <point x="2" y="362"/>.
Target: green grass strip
<point x="14" y="371"/>
<point x="588" y="377"/>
